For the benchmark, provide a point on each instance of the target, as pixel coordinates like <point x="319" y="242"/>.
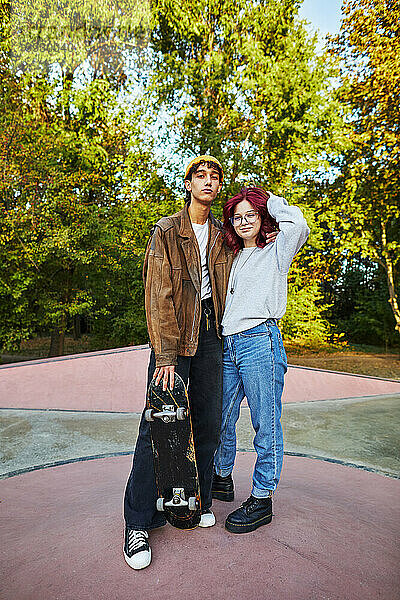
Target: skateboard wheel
<point x="192" y="503"/>
<point x="181" y="413"/>
<point x="160" y="504"/>
<point x="148" y="415"/>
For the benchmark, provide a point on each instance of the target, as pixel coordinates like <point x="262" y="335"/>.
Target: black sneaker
<point x="253" y="513"/>
<point x="137" y="551"/>
<point x="222" y="488"/>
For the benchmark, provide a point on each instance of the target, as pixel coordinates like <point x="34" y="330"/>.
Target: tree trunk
<point x="77" y="327"/>
<point x="56" y="343"/>
<point x="388" y="266"/>
<point x="392" y="293"/>
<point x="57" y="339"/>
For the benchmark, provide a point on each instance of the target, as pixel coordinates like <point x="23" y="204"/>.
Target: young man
<point x="185" y="273"/>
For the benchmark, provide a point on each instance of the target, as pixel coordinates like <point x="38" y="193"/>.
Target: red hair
<point x="258" y="199"/>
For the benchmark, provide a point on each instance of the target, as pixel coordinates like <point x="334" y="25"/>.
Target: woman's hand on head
<point x="271" y="237"/>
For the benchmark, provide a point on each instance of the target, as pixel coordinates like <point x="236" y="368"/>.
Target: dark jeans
<point x="203" y="375"/>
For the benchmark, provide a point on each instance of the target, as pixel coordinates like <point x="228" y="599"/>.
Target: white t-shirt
<point x="201" y="233"/>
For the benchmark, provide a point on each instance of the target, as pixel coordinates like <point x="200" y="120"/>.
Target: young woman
<point x="254" y="357"/>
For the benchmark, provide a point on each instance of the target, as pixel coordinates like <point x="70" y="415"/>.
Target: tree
<point x="359" y="307"/>
<point x="67" y="146"/>
<point x="366" y="193"/>
<point x="55" y="190"/>
<point x="241" y="80"/>
<point x="84" y="118"/>
<point x="78" y="38"/>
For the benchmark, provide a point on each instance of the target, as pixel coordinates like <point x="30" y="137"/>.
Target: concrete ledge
<point x="115" y="380"/>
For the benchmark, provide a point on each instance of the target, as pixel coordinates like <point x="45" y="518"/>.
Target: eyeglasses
<point x="250" y="217"/>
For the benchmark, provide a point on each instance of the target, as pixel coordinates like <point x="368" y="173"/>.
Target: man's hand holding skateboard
<point x="165" y="373"/>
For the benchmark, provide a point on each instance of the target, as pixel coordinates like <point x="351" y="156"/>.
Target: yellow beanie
<point x="205" y="157"/>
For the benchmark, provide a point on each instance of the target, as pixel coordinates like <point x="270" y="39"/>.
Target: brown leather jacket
<point x="172" y="280"/>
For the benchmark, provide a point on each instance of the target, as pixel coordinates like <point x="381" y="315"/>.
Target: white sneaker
<point x="137" y="551"/>
<point x="207" y="519"/>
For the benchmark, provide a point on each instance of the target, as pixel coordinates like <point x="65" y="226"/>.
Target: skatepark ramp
<point x="115" y="380"/>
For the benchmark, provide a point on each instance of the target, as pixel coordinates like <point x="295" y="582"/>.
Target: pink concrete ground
<point x="115" y="380"/>
<point x="333" y="537"/>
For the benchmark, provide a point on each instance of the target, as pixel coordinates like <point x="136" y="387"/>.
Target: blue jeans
<point x="254" y="366"/>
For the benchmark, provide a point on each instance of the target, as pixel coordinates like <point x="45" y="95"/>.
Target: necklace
<point x="236" y="269"/>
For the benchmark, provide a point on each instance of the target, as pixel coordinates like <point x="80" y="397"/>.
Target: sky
<point x="324" y="15"/>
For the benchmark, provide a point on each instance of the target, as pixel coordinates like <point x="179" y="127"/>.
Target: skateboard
<point x="177" y="479"/>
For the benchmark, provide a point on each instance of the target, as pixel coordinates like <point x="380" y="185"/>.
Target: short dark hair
<point x="210" y="164"/>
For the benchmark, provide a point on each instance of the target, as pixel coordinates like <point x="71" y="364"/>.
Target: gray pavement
<point x="364" y="432"/>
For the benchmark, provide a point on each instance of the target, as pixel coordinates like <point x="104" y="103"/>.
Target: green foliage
<point x="359" y="305"/>
<point x="78" y="39"/>
<point x="241" y="80"/>
<point x="304" y="320"/>
<point x="91" y="93"/>
<point x="68" y="209"/>
<point x="365" y="196"/>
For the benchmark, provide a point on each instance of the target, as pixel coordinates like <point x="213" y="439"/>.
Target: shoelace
<point x="136" y="539"/>
<point x="248" y="502"/>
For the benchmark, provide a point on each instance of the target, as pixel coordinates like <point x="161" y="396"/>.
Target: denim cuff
<point x="224" y="472"/>
<point x="257" y="493"/>
<point x="155" y="525"/>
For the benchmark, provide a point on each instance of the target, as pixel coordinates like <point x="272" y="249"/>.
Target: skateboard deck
<point x="168" y="413"/>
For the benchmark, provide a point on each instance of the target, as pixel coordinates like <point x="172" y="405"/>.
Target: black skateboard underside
<point x="174" y="454"/>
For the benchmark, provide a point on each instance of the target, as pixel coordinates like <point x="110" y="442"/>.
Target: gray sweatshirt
<point x="257" y="288"/>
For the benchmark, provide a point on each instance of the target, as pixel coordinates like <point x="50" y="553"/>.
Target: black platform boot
<point x="222" y="488"/>
<point x="253" y="513"/>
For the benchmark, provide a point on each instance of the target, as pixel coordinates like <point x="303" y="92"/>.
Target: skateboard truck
<point x="178" y="499"/>
<point x="168" y="414"/>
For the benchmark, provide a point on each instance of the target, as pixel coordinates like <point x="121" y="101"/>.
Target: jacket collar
<point x="186" y="229"/>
